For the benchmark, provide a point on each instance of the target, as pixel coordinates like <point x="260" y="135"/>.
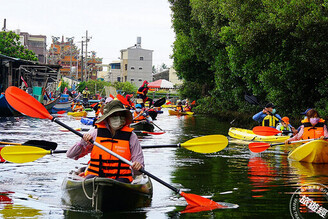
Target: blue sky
<point x="113" y="25"/>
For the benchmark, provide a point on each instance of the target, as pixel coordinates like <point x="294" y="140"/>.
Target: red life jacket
<point x="106" y="165"/>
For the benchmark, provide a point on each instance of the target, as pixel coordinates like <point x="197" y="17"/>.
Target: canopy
<point x="162" y="83"/>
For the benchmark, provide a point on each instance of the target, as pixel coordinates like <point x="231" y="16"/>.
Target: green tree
<point x="11" y="46"/>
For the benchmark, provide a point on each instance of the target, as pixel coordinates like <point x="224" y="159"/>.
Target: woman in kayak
<point x="312" y="127"/>
<point x="113" y="133"/>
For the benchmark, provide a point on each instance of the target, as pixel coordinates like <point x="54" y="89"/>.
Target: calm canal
<point x="261" y="184"/>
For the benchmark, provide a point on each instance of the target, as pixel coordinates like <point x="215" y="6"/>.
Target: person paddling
<point x="268" y="116"/>
<point x="312" y="127"/>
<point x="139" y="114"/>
<point x="114" y="133"/>
<point x="284" y="126"/>
<point x="142" y="94"/>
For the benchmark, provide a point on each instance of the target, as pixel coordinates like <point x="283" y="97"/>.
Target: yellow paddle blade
<point x="22" y="154"/>
<point x="206" y="144"/>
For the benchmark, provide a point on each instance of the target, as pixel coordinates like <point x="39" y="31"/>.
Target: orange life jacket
<point x="106" y="165"/>
<point x="141" y="117"/>
<point x="313" y="131"/>
<point x="78" y="108"/>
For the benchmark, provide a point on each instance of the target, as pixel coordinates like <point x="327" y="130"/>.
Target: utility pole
<point x="87" y="39"/>
<point x="81" y="61"/>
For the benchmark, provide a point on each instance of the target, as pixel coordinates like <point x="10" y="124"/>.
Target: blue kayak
<point x="87" y="121"/>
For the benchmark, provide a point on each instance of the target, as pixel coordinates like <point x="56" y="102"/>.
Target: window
<point x="140" y="68"/>
<point x="126" y="66"/>
<point x="141" y="58"/>
<point x="119" y="79"/>
<point x="140" y="79"/>
<point x="132" y="68"/>
<point x="125" y="78"/>
<point x="132" y="79"/>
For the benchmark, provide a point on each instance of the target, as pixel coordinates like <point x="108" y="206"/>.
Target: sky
<point x="113" y="25"/>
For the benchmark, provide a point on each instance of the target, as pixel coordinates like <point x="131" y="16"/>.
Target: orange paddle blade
<point x="258" y="147"/>
<point x="265" y="131"/>
<point x="111" y="96"/>
<point x="61" y="112"/>
<point x="122" y="99"/>
<point x="26" y="104"/>
<point x="196" y="200"/>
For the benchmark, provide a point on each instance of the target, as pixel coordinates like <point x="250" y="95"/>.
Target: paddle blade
<point x="258" y="147"/>
<point x="265" y="131"/>
<point x="25" y="103"/>
<point x="159" y="102"/>
<point x="22" y="154"/>
<point x="122" y="99"/>
<point x="251" y="99"/>
<point x="206" y="144"/>
<point x="196" y="200"/>
<point x="47" y="145"/>
<point x="61" y="112"/>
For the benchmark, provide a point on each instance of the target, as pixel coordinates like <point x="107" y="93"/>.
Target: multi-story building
<point x="66" y="54"/>
<point x="136" y="64"/>
<point x="36" y="43"/>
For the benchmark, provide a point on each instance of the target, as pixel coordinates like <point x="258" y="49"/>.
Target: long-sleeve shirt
<point x="260" y="116"/>
<point x="82" y="148"/>
<point x="298" y="136"/>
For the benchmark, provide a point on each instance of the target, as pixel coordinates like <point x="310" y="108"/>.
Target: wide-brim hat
<point x="113" y="107"/>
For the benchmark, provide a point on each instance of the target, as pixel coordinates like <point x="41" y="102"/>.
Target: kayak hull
<point x="312" y="152"/>
<point x="110" y="194"/>
<point x="248" y="135"/>
<point x="143" y="126"/>
<point x="77" y="114"/>
<point x="176" y="113"/>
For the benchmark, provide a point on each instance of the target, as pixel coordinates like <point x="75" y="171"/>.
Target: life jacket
<point x="141" y="117"/>
<point x="106" y="165"/>
<point x="270" y="121"/>
<point x="78" y="108"/>
<point x="313" y="131"/>
<point x="179" y="108"/>
<point x="98" y="110"/>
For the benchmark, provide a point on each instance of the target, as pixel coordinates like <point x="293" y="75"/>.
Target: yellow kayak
<point x="315" y="151"/>
<point x="78" y="114"/>
<point x="248" y="135"/>
<point x="173" y="112"/>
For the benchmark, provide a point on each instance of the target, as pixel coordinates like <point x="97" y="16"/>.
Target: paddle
<point x="252" y="100"/>
<point x="268" y="131"/>
<point x="28" y="105"/>
<point x="203" y="144"/>
<point x="61" y="112"/>
<point x="258" y="147"/>
<point x="150" y="133"/>
<point x="48" y="145"/>
<point x="122" y="99"/>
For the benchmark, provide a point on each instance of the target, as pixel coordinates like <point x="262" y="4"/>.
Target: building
<point x="66" y="54"/>
<point x="36" y="43"/>
<point x="136" y="64"/>
<point x="161" y="75"/>
<point x="168" y="74"/>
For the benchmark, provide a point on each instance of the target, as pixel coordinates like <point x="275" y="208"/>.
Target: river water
<point x="261" y="184"/>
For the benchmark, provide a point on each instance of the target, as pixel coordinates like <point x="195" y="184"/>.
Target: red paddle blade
<point x="111" y="96"/>
<point x="196" y="200"/>
<point x="258" y="147"/>
<point x="61" y="112"/>
<point x="122" y="99"/>
<point x="265" y="131"/>
<point x="26" y="104"/>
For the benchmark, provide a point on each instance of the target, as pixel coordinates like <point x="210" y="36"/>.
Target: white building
<point x="136" y="64"/>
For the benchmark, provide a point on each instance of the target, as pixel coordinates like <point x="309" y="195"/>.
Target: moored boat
<point x="315" y="151"/>
<point x="248" y="135"/>
<point x="5" y="109"/>
<point x="173" y="112"/>
<point x="143" y="126"/>
<point x="106" y="194"/>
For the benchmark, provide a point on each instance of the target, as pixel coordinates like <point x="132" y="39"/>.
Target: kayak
<point x="87" y="121"/>
<point x="108" y="194"/>
<point x="173" y="112"/>
<point x="246" y="134"/>
<point x="315" y="151"/>
<point x="143" y="126"/>
<point x="77" y="114"/>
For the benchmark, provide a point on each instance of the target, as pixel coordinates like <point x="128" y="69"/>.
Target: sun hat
<point x="113" y="107"/>
<point x="285" y="119"/>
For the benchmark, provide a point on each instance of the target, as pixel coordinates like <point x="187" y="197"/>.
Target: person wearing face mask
<point x="268" y="116"/>
<point x="312" y="127"/>
<point x="113" y="132"/>
<point x="140" y="115"/>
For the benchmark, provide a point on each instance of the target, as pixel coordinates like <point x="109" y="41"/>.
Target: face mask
<point x="273" y="111"/>
<point x="138" y="110"/>
<point x="116" y="122"/>
<point x="314" y="121"/>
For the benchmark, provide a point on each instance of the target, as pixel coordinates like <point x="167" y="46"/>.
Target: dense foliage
<point x="11" y="46"/>
<point x="274" y="49"/>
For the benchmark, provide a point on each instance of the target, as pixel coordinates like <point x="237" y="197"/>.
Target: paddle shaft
<point x="293" y="142"/>
<point x="116" y="155"/>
